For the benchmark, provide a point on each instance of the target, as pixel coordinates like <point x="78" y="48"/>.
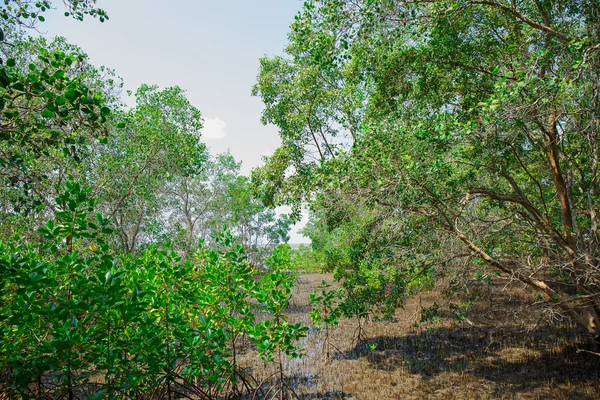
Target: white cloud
<point x="214" y="128"/>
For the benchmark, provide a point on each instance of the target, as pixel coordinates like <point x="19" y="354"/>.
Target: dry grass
<point x="447" y="360"/>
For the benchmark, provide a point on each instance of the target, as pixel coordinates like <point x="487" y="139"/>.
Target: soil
<point x="488" y="356"/>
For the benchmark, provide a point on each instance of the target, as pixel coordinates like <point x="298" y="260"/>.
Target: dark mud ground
<point x="503" y="353"/>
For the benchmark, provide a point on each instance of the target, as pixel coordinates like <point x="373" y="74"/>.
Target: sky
<point x="211" y="49"/>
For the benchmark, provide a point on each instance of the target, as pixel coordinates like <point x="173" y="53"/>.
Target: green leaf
<point x="72" y="95"/>
<point x="47" y="113"/>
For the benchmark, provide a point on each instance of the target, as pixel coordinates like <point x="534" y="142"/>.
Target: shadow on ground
<point x="522" y="361"/>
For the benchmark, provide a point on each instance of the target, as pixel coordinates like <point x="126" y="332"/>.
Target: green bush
<point x="78" y="319"/>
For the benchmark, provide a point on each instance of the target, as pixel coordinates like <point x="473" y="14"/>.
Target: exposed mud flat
<point x="495" y="357"/>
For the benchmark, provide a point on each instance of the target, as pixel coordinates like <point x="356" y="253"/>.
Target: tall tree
<point x="160" y="143"/>
<point x="201" y="205"/>
<point x="476" y="119"/>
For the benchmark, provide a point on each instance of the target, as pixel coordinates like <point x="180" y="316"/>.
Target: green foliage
<point x="276" y="335"/>
<point x="304" y="258"/>
<point x="54" y="106"/>
<point x="49" y="100"/>
<point x="148" y="321"/>
<point x="201" y="204"/>
<point x="431" y="138"/>
<point x="326" y="310"/>
<point x="281" y="258"/>
<point x="430" y="314"/>
<point x="158" y="146"/>
<point x="27" y="13"/>
<point x="122" y="307"/>
<point x="460" y="310"/>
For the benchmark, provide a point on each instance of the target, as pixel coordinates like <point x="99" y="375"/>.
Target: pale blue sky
<point x="208" y="48"/>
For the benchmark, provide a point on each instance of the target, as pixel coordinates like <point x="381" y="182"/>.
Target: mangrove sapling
<point x="325" y="312"/>
<point x="227" y="274"/>
<point x="48" y="302"/>
<point x="352" y="306"/>
<point x="144" y="325"/>
<point x="276" y="337"/>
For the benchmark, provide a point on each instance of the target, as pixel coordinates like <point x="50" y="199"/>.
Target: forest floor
<point x="491" y="357"/>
